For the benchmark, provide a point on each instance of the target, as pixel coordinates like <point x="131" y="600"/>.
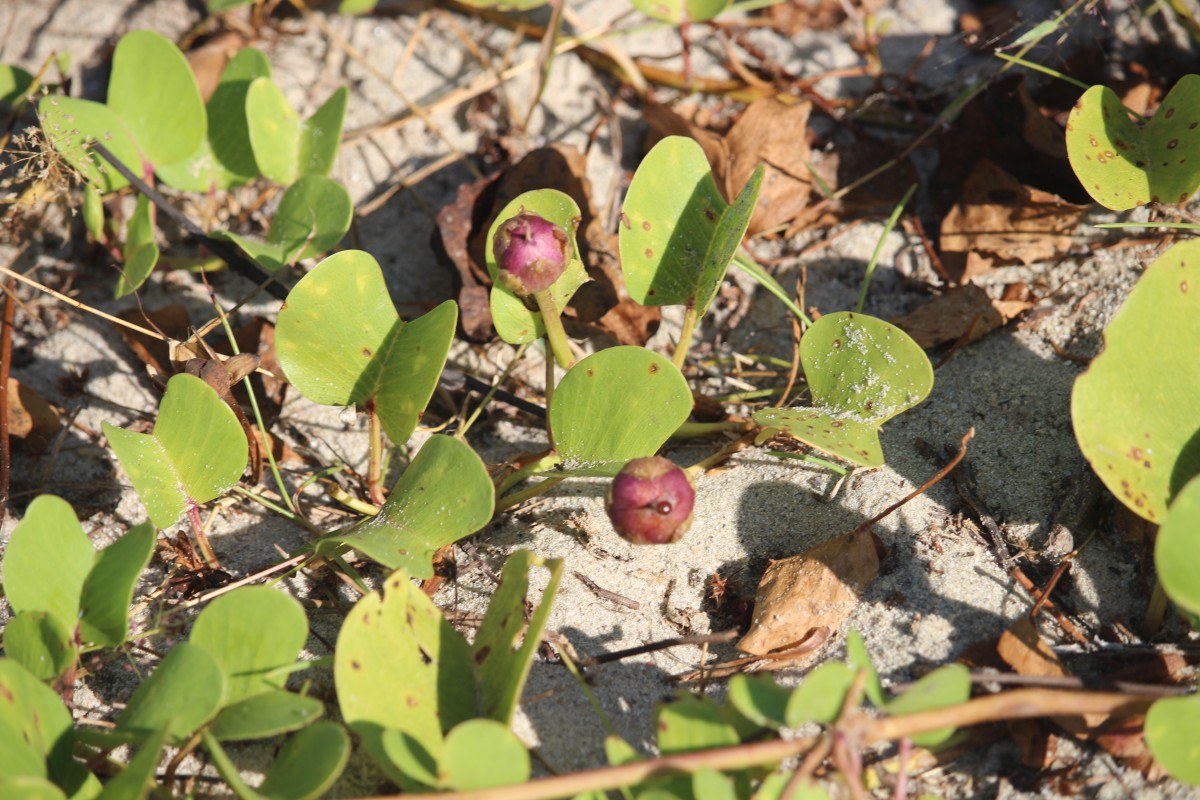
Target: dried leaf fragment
<point x="965" y="310"/>
<point x="30" y="417"/>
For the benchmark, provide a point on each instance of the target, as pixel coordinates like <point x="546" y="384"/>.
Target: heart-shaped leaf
<point x="260" y="716"/>
<point x="72" y="125"/>
<point x="400" y="665"/>
<point x="945" y="686"/>
<point x="40" y="642"/>
<point x="862" y="372"/>
<point x="1177" y="546"/>
<point x="186" y="690"/>
<point x="676" y="12"/>
<point x="225" y="157"/>
<point x="616" y="405"/>
<point x="313" y="216"/>
<point x="1122" y="163"/>
<point x="1136" y="410"/>
<point x="286" y="148"/>
<point x="515" y="322"/>
<point x="505" y="645"/>
<point x="445" y="495"/>
<point x="48" y="560"/>
<point x="141" y="251"/>
<point x="693" y="723"/>
<point x="759" y="699"/>
<point x="670" y="217"/>
<point x="153" y="90"/>
<point x="480" y="754"/>
<point x="108" y="590"/>
<point x="250" y="632"/>
<point x="820" y="697"/>
<point x="196" y="452"/>
<point x="341" y="342"/>
<point x="1172" y="731"/>
<point x="308" y="764"/>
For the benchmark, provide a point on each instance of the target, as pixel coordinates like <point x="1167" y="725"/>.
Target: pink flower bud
<point x="531" y="253"/>
<point x="650" y="501"/>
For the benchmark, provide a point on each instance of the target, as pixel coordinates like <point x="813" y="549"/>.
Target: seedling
<point x="862" y="372"/>
<point x="650" y="501"/>
<point x="1123" y="163"/>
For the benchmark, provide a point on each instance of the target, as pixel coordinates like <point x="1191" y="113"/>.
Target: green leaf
<point x="692" y="723"/>
<point x="443" y="496"/>
<point x="616" y="405"/>
<point x="727" y="238"/>
<point x="93" y="211"/>
<point x="760" y="699"/>
<point x="196" y="452"/>
<point x="47" y="560"/>
<point x="670" y="218"/>
<point x="858" y="658"/>
<point x="250" y="632"/>
<point x="284" y="147"/>
<point x="14" y="82"/>
<point x="862" y="372"/>
<point x="482" y="753"/>
<point x="356" y="7"/>
<point x="266" y="714"/>
<point x="1136" y="410"/>
<point x="137" y="780"/>
<point x="1122" y="163"/>
<point x="515" y="322"/>
<point x="217" y="6"/>
<point x="773" y="786"/>
<point x="185" y="691"/>
<point x="821" y="696"/>
<point x="72" y="125"/>
<point x="225" y="157"/>
<point x="946" y="686"/>
<point x="341" y="342"/>
<point x="1173" y="736"/>
<point x="41" y="643"/>
<point x="309" y="763"/>
<point x="141" y="251"/>
<point x="709" y="784"/>
<point x="28" y="787"/>
<point x="505" y="646"/>
<point x="153" y="90"/>
<point x="412" y="758"/>
<point x="35" y="727"/>
<point x="1177" y="547"/>
<point x="679" y="11"/>
<point x="109" y="587"/>
<point x="400" y="664"/>
<point x="313" y="216"/>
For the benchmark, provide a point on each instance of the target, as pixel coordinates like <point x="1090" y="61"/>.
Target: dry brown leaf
<point x="1000" y="221"/>
<point x="814" y="589"/>
<point x="793" y="16"/>
<point x="455" y="223"/>
<point x="1023" y="649"/>
<point x="30" y="418"/>
<point x="172" y="321"/>
<point x="208" y="61"/>
<point x="960" y="311"/>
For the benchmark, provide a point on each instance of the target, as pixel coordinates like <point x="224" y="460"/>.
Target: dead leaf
<point x="30" y="418"/>
<point x="208" y="61"/>
<point x="795" y="16"/>
<point x="999" y="221"/>
<point x="965" y="310"/>
<point x="814" y="589"/>
<point x="172" y="321"/>
<point x="455" y="224"/>
<point x="1023" y="649"/>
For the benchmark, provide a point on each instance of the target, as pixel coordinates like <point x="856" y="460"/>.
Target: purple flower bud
<point x="650" y="501"/>
<point x="531" y="253"/>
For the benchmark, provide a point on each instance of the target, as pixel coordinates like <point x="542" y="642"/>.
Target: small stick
<point x="6" y="332"/>
<point x="605" y="594"/>
<point x="943" y="472"/>
<point x="662" y="644"/>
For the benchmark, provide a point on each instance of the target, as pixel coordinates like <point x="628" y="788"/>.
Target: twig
<point x="943" y="472"/>
<point x="662" y="644"/>
<point x="605" y="594"/>
<point x="6" y="334"/>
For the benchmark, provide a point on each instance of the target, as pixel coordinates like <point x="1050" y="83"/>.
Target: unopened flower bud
<point x="531" y="253"/>
<point x="650" y="501"/>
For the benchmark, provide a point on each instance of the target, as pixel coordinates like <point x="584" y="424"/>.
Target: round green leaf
<point x="196" y="452"/>
<point x="341" y="342"/>
<point x="670" y="218"/>
<point x="709" y="784"/>
<point x="313" y="216"/>
<point x="185" y="691"/>
<point x="679" y="11"/>
<point x="108" y="590"/>
<point x="1177" y="547"/>
<point x="759" y="699"/>
<point x="41" y="643"/>
<point x="514" y="320"/>
<point x="945" y="686"/>
<point x="692" y="723"/>
<point x="71" y="125"/>
<point x="820" y="697"/>
<point x="445" y="495"/>
<point x="861" y="371"/>
<point x="1122" y="163"/>
<point x="47" y="560"/>
<point x="1173" y="736"/>
<point x="250" y="632"/>
<point x="274" y="131"/>
<point x="309" y="763"/>
<point x="480" y="754"/>
<point x="400" y="664"/>
<point x="614" y="406"/>
<point x="412" y="758"/>
<point x="154" y="91"/>
<point x="35" y="726"/>
<point x="270" y="713"/>
<point x="1136" y="410"/>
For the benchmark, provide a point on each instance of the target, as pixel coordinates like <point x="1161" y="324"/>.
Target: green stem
<point x="811" y="459"/>
<point x="887" y="228"/>
<point x="695" y="430"/>
<point x="549" y="377"/>
<point x="555" y="333"/>
<point x="516" y="476"/>
<point x="286" y="513"/>
<point x="375" y="457"/>
<point x="690" y="318"/>
<point x="350" y="501"/>
<point x="516" y="498"/>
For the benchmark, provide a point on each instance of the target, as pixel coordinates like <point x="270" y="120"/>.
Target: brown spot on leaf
<point x="591" y="373"/>
<point x="653" y="368"/>
<point x="1170" y="112"/>
<point x="1183" y="287"/>
<point x="1135" y="453"/>
<point x="1092" y="139"/>
<point x="354" y="665"/>
<point x="649" y="253"/>
<point x="366" y="351"/>
<point x="837" y="343"/>
<point x="482" y="655"/>
<point x="1171" y="145"/>
<point x="837" y="423"/>
<point x="645" y="224"/>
